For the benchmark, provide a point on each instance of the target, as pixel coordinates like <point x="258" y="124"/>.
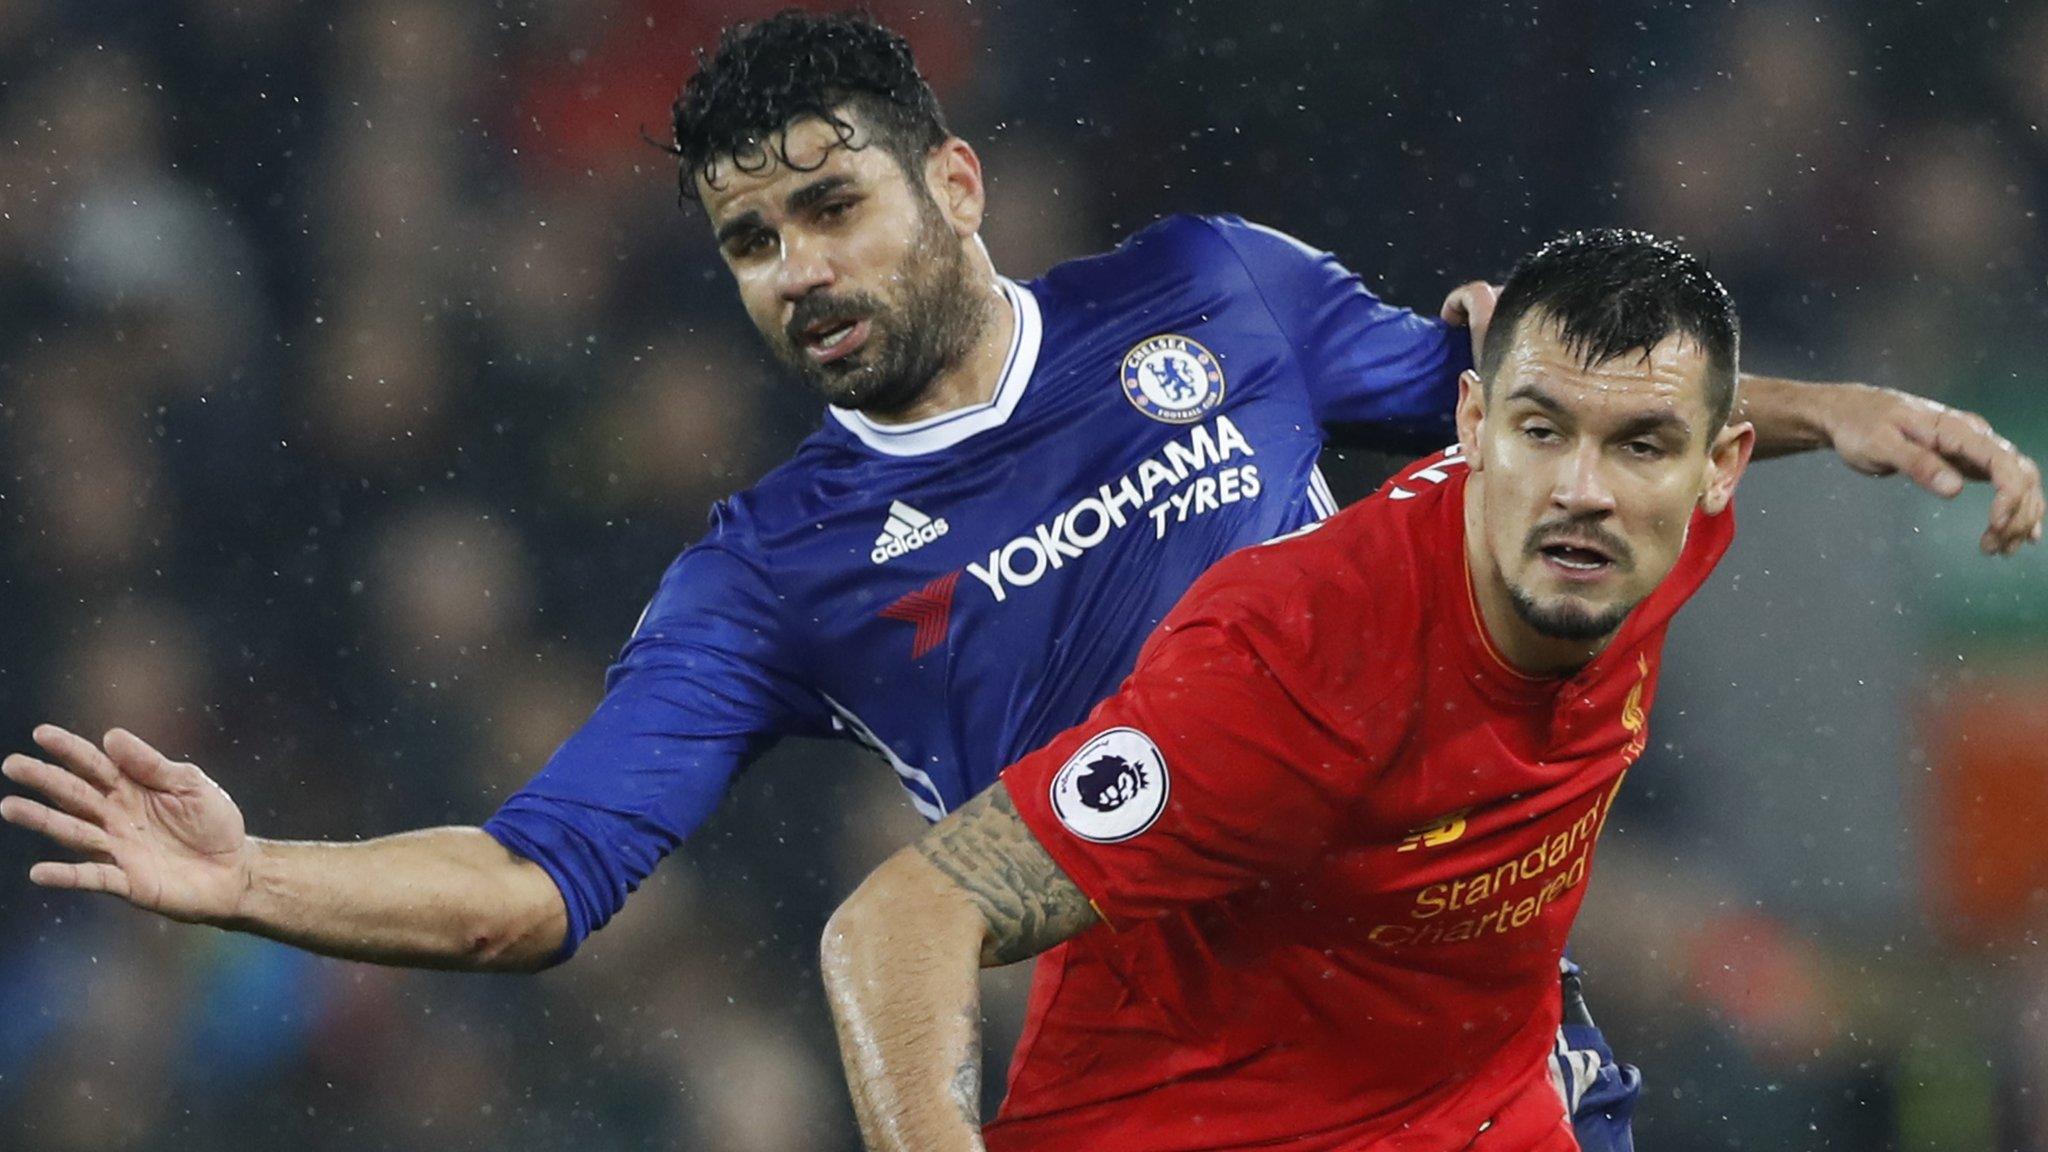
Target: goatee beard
<point x="1567" y="621"/>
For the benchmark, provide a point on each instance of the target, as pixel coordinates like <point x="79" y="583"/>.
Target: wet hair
<point x="1612" y="292"/>
<point x="794" y="65"/>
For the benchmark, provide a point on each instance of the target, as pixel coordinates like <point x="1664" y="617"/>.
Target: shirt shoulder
<point x="1181" y="249"/>
<point x="829" y="469"/>
<point x="730" y="569"/>
<point x="1337" y="612"/>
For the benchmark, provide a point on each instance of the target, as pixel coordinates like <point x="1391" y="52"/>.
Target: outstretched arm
<point x="901" y="959"/>
<point x="1876" y="431"/>
<point x="161" y="835"/>
<point x="706" y="680"/>
<point x="1879" y="431"/>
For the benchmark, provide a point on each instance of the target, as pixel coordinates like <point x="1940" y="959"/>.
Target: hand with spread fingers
<point x="153" y="831"/>
<point x="1880" y="431"/>
<point x="1941" y="449"/>
<point x="161" y="835"/>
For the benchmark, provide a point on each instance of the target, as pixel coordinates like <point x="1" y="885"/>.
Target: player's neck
<point x="974" y="377"/>
<point x="1520" y="646"/>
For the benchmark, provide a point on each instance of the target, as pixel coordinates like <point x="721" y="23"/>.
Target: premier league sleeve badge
<point x="1113" y="788"/>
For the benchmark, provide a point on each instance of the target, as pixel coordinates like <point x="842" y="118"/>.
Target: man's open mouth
<point x="1577" y="559"/>
<point x="829" y="340"/>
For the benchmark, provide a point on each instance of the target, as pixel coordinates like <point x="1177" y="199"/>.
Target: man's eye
<point x="1643" y="450"/>
<point x="835" y="209"/>
<point x="1540" y="434"/>
<point x="752" y="244"/>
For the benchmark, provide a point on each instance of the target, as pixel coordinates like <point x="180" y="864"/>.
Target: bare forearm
<point x="1794" y="415"/>
<point x="901" y="963"/>
<point x="437" y="898"/>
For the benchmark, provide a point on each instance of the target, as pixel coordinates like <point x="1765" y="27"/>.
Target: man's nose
<point x="805" y="268"/>
<point x="1582" y="484"/>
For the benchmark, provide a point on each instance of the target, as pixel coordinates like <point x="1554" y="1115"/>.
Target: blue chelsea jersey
<point x="955" y="592"/>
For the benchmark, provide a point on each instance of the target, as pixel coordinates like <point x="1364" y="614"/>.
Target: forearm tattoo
<point x="1029" y="904"/>
<point x="967" y="1076"/>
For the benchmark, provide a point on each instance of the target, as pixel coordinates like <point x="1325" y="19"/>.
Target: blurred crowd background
<point x="360" y="373"/>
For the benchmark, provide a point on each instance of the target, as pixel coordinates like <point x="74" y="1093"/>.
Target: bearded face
<point x="846" y="265"/>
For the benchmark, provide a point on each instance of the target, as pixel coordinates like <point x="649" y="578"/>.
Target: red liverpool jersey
<point x="1338" y="844"/>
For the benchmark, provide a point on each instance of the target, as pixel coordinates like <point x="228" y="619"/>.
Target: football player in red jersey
<point x="1306" y="878"/>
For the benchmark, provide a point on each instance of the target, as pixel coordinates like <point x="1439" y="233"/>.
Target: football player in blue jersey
<point x="1013" y="483"/>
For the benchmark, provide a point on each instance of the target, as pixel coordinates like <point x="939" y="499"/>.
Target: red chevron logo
<point x="929" y="609"/>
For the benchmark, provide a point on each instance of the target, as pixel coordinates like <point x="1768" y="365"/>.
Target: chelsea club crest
<point x="1173" y="379"/>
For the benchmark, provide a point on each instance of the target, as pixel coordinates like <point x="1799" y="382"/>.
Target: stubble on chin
<point x="858" y="388"/>
<point x="1563" y="618"/>
<point x="919" y="335"/>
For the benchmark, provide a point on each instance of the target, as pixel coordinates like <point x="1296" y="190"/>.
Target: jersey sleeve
<point x="704" y="685"/>
<point x="1377" y="375"/>
<point x="1204" y="775"/>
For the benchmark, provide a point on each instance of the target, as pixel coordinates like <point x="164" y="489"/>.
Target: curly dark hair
<point x="794" y="65"/>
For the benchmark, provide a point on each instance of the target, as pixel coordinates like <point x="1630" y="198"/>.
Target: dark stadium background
<point x="359" y="374"/>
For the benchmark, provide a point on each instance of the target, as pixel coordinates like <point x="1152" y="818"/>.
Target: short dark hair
<point x="794" y="65"/>
<point x="1613" y="291"/>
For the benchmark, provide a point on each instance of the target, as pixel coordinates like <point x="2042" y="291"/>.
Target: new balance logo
<point x="907" y="530"/>
<point x="1438" y="834"/>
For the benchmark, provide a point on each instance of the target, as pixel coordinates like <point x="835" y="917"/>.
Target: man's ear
<point x="1727" y="457"/>
<point x="1471" y="416"/>
<point x="952" y="175"/>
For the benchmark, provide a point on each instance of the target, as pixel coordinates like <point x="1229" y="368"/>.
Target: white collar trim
<point x="950" y="428"/>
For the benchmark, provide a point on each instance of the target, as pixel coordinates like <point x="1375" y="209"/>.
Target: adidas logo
<point x="907" y="530"/>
